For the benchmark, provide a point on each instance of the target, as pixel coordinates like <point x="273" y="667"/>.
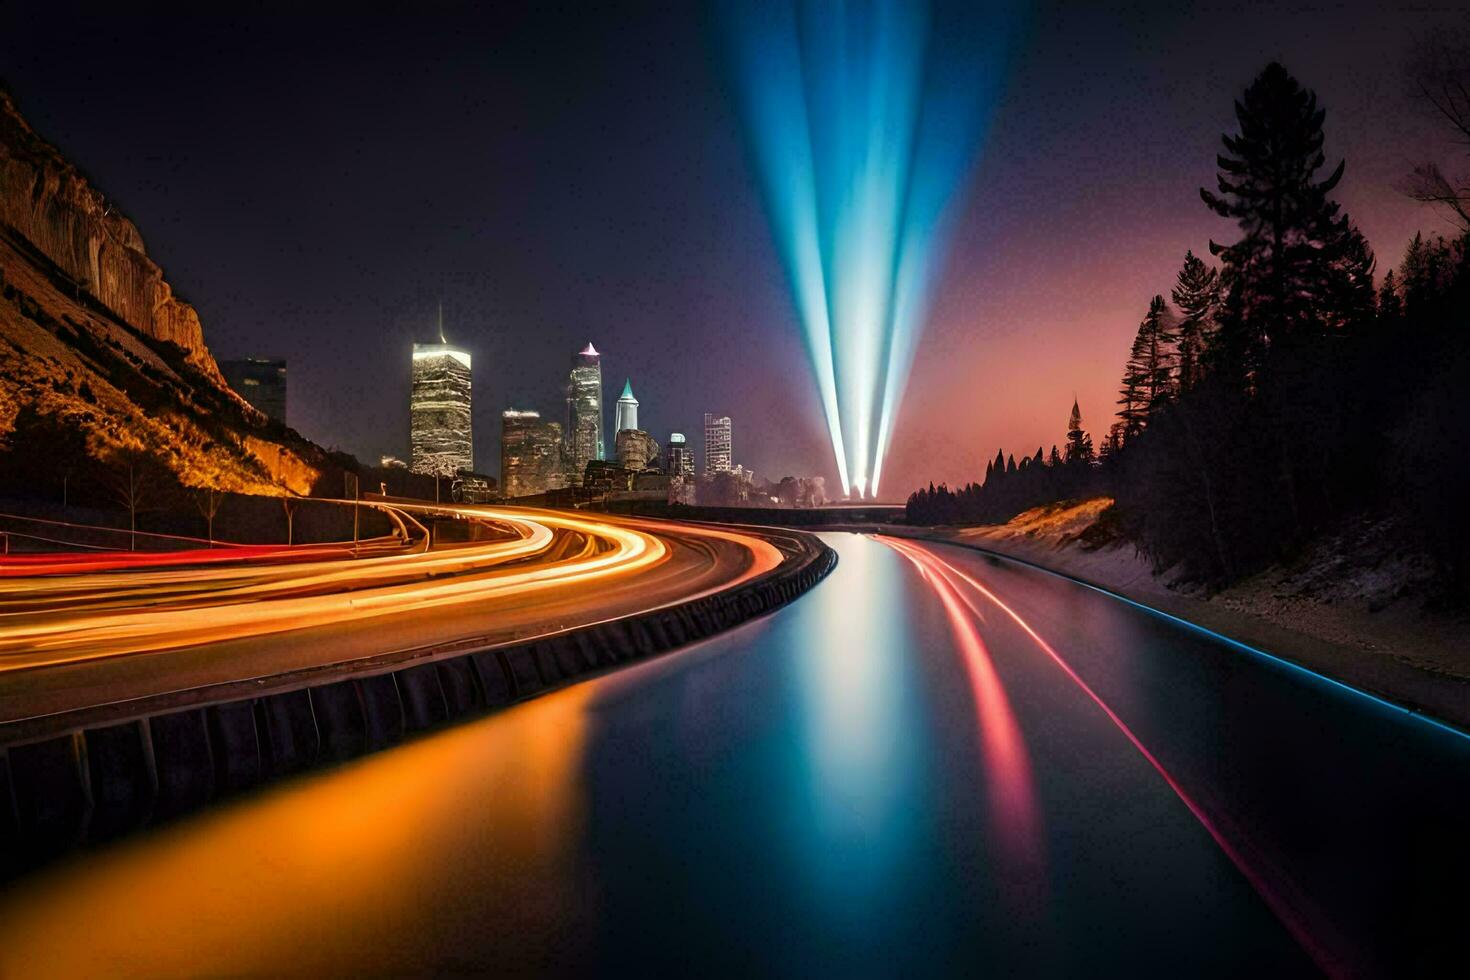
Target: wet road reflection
<point x="891" y="776"/>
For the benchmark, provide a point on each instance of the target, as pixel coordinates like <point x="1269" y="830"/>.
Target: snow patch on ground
<point x="1353" y="605"/>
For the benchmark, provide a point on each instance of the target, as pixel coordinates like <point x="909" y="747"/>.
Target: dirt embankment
<point x="1352" y="607"/>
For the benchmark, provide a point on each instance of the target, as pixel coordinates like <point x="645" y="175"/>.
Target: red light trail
<point x="1286" y="902"/>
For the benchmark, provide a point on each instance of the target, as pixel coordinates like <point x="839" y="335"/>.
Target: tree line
<point x="1280" y="391"/>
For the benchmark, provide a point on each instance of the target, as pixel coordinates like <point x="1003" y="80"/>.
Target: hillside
<point x="98" y="354"/>
<point x="1354" y="605"/>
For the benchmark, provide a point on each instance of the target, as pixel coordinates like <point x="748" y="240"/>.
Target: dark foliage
<point x="1286" y="394"/>
<point x="1011" y="487"/>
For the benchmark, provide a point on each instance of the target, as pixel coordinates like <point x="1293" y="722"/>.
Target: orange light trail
<point x="52" y="619"/>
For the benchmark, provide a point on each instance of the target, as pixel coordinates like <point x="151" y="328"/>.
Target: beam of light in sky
<point x="863" y="120"/>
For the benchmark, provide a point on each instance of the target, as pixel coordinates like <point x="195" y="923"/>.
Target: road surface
<point x="934" y="762"/>
<point x="76" y="641"/>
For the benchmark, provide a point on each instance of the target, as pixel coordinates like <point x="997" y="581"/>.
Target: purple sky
<point x="316" y="183"/>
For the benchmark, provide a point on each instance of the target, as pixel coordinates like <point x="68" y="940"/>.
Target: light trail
<point x="1285" y="900"/>
<point x="110" y="614"/>
<point x="1015" y="811"/>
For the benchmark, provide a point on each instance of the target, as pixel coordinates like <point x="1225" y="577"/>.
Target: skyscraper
<point x="678" y="458"/>
<point x="584" y="412"/>
<point x="530" y="454"/>
<point x="261" y="381"/>
<point x="635" y="449"/>
<point x="439" y="409"/>
<point x="625" y="415"/>
<point x="716" y="444"/>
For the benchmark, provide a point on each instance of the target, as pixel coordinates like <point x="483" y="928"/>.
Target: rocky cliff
<point x="51" y="205"/>
<point x="94" y="343"/>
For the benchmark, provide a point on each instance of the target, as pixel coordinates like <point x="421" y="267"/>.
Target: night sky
<point x="316" y="183"/>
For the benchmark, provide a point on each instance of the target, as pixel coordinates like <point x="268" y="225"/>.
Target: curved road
<point x="76" y="641"/>
<point x="934" y="762"/>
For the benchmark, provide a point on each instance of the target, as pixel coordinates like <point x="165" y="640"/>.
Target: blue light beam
<point x="863" y="119"/>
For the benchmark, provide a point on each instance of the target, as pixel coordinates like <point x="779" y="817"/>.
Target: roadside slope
<point x="1328" y="614"/>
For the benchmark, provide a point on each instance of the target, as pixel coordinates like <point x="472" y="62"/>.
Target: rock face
<point x="47" y="201"/>
<point x="93" y="341"/>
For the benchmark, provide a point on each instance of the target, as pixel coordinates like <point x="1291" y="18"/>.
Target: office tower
<point x="679" y="457"/>
<point x="635" y="449"/>
<point x="625" y="415"/>
<point x="530" y="454"/>
<point x="716" y="444"/>
<point x="261" y="381"/>
<point x="584" y="412"/>
<point x="439" y="409"/>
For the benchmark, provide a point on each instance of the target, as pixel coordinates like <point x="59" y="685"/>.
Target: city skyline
<point x="662" y="232"/>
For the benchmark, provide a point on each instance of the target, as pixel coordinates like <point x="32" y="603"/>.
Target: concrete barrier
<point x="422" y="696"/>
<point x="461" y="690"/>
<point x="495" y="682"/>
<point x="524" y="674"/>
<point x="53" y="796"/>
<point x="287" y="725"/>
<point x="382" y="711"/>
<point x="183" y="761"/>
<point x="341" y="720"/>
<point x="98" y="782"/>
<point x="234" y="744"/>
<point x="123" y="781"/>
<point x="9" y="827"/>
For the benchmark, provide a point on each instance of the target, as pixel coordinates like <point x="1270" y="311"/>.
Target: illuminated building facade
<point x="530" y="454"/>
<point x="261" y="381"/>
<point x="584" y="440"/>
<point x="716" y="444"/>
<point x="606" y="476"/>
<point x="678" y="457"/>
<point x="625" y="414"/>
<point x="636" y="450"/>
<point x="439" y="410"/>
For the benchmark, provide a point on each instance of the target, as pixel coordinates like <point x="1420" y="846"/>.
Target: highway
<point x="935" y="762"/>
<point x="76" y="632"/>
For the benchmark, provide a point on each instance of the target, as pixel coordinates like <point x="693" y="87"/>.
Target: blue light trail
<point x="864" y="118"/>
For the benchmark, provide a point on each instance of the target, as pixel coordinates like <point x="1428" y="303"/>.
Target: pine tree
<point x="1132" y="396"/>
<point x="1197" y="295"/>
<point x="1147" y="377"/>
<point x="1079" y="443"/>
<point x="1159" y="353"/>
<point x="1055" y="459"/>
<point x="1278" y="287"/>
<point x="1390" y="304"/>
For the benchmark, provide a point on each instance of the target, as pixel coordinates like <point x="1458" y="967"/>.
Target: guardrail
<point x="92" y="776"/>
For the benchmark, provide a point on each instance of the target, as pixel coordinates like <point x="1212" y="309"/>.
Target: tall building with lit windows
<point x="439" y="410"/>
<point x="716" y="444"/>
<point x="530" y="454"/>
<point x="625" y="414"/>
<point x="584" y="413"/>
<point x="678" y="456"/>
